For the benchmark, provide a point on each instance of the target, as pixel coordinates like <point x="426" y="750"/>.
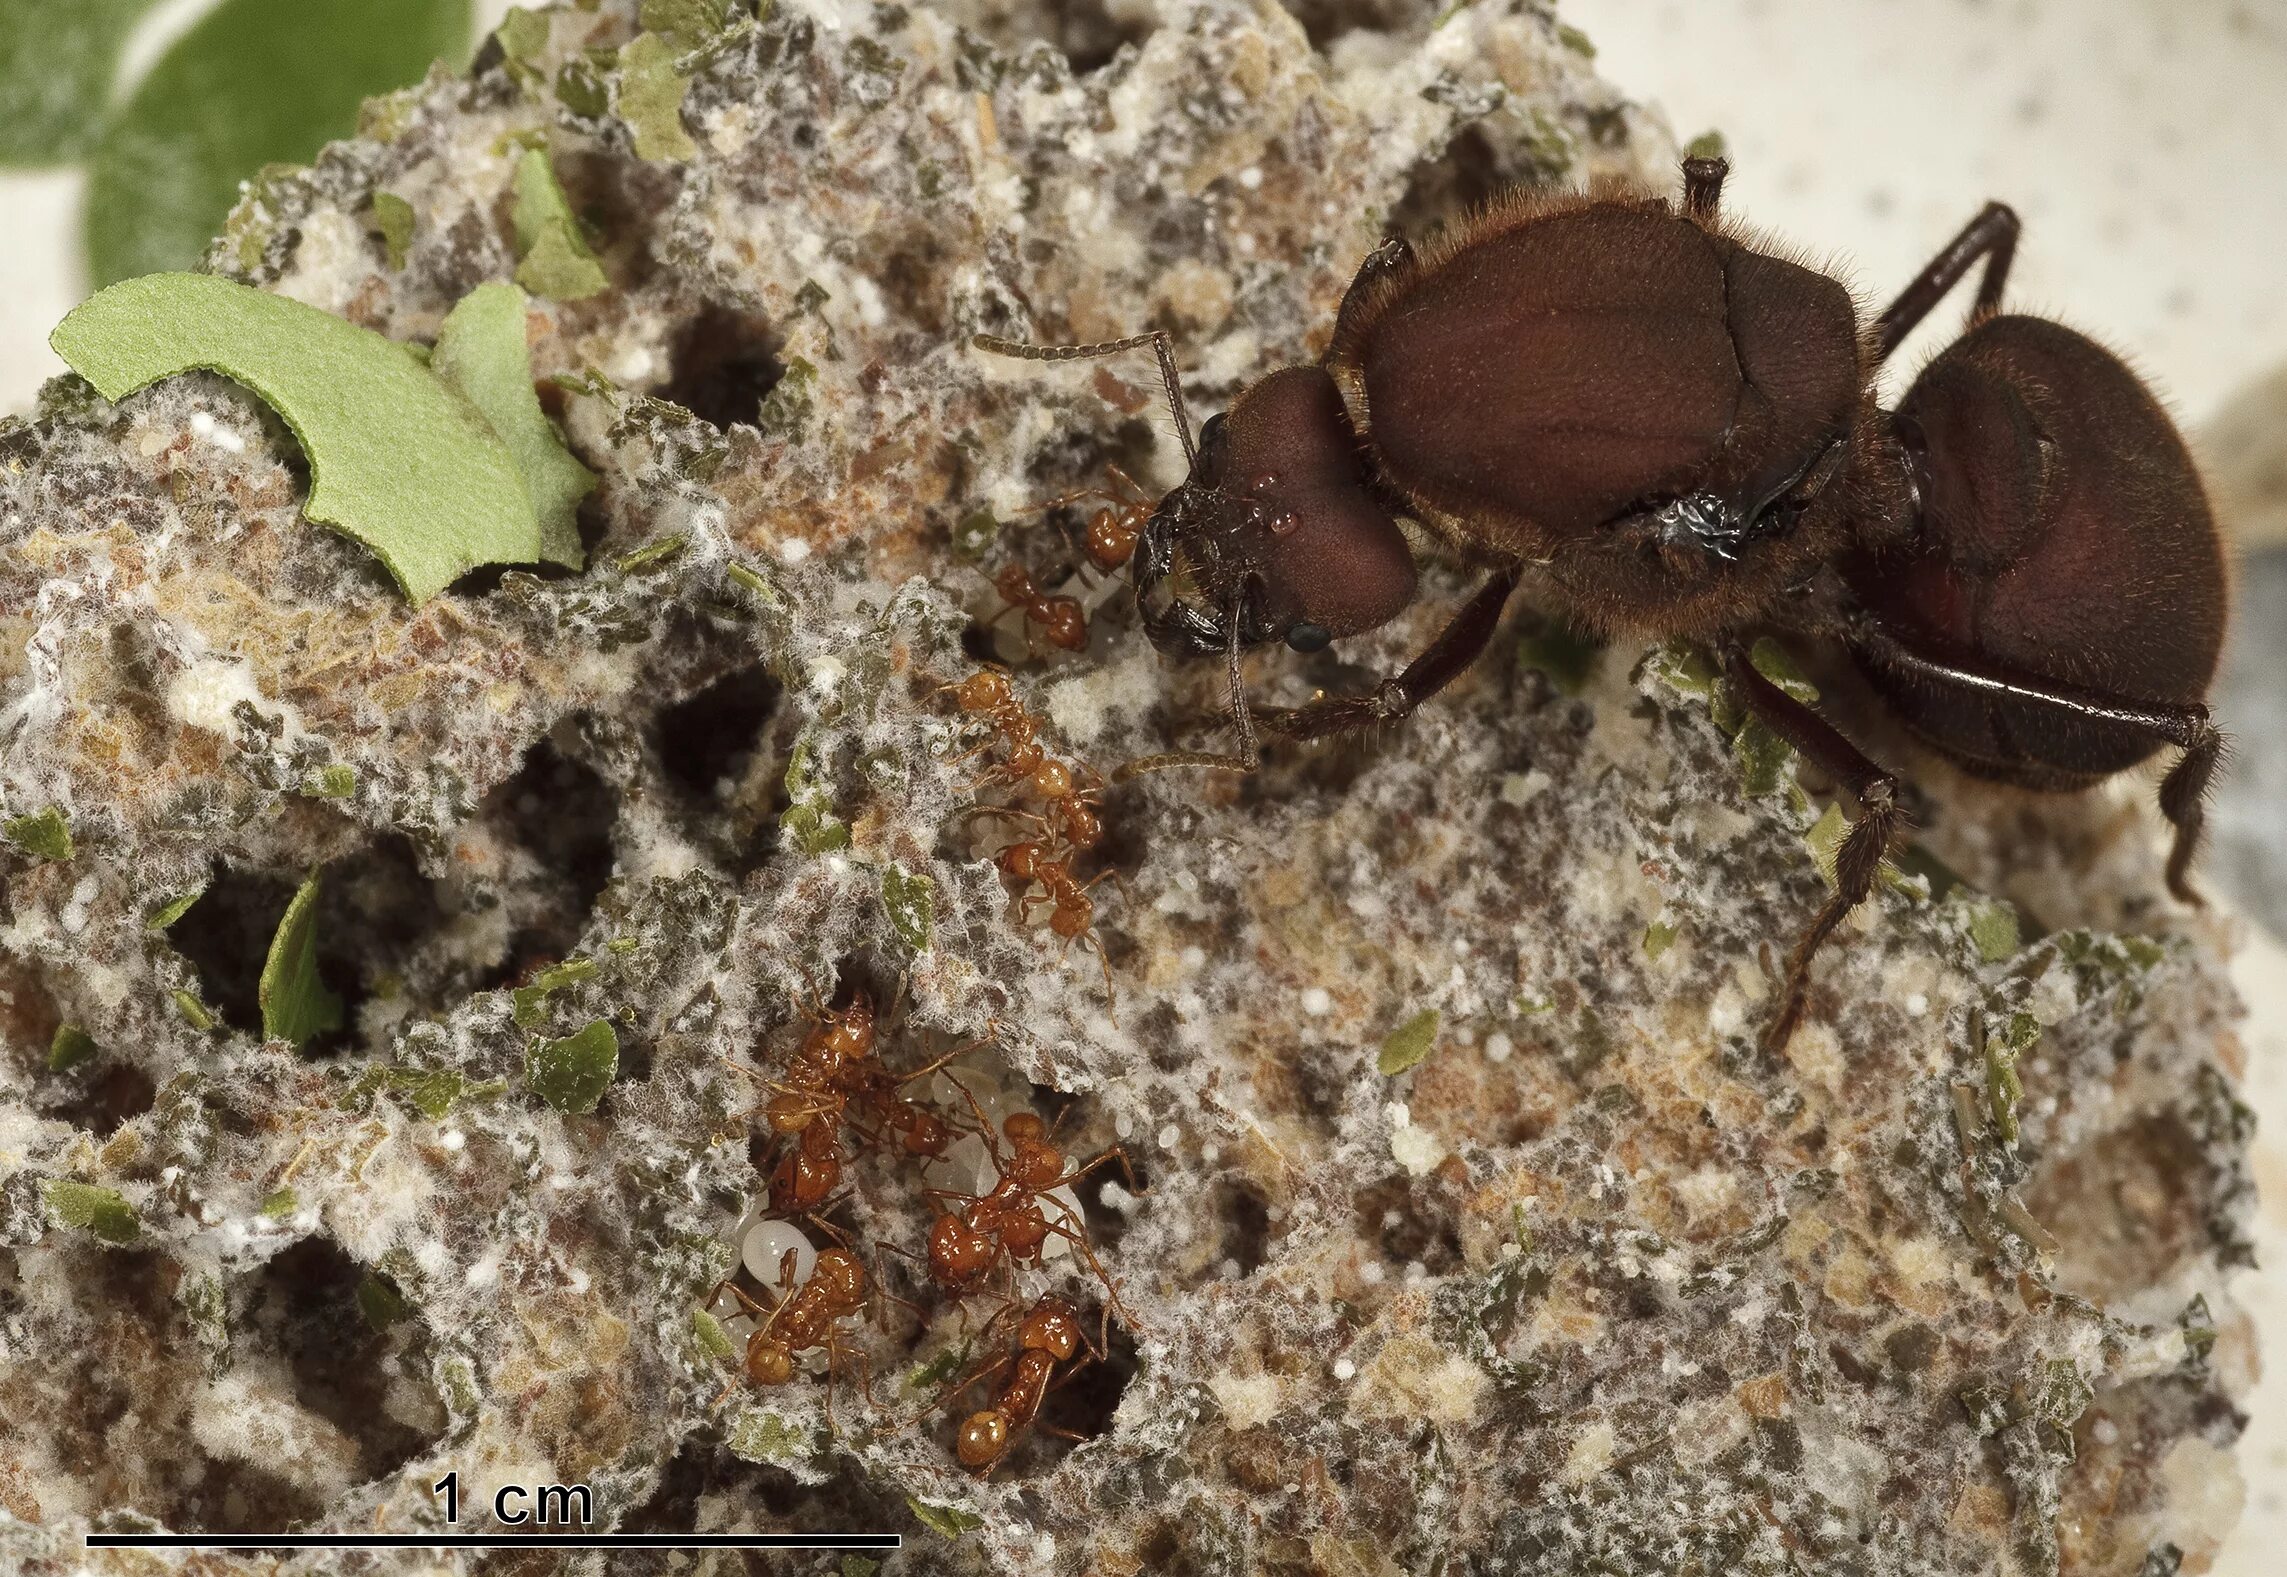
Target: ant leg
<point x="1703" y="187"/>
<point x="1457" y="646"/>
<point x="1394" y="254"/>
<point x="1859" y="861"/>
<point x="1992" y="235"/>
<point x="1115" y="1153"/>
<point x="2187" y="726"/>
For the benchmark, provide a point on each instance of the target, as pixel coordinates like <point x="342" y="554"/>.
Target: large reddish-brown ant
<point x="1675" y="430"/>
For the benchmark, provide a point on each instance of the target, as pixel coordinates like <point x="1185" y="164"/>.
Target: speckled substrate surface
<point x="1595" y="1285"/>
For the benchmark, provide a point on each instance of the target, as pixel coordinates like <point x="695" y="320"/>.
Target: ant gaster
<point x="1676" y="430"/>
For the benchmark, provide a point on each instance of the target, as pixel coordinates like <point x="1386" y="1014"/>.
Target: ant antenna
<point x="1156" y="339"/>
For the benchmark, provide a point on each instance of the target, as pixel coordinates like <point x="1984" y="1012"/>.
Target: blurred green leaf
<point x="650" y="99"/>
<point x="255" y="82"/>
<point x="481" y="351"/>
<point x="397" y="460"/>
<point x="57" y="58"/>
<point x="295" y="1002"/>
<point x="555" y="258"/>
<point x="1408" y="1044"/>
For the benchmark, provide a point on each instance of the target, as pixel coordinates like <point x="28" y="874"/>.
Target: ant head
<point x="1049" y="1327"/>
<point x="841" y="1272"/>
<point x="1278" y="525"/>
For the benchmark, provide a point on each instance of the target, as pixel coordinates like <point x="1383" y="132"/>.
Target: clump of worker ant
<point x="1054" y="814"/>
<point x="834" y="1097"/>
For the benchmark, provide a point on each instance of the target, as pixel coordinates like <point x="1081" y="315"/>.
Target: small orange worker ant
<point x="1010" y="1221"/>
<point x="806" y="1317"/>
<point x="1048" y="1334"/>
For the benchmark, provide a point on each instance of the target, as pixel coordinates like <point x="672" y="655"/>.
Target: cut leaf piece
<point x="101" y="1211"/>
<point x="650" y="99"/>
<point x="71" y="1047"/>
<point x="255" y="82"/>
<point x="1408" y="1044"/>
<point x="556" y="260"/>
<point x="397" y="460"/>
<point x="45" y="834"/>
<point x="393" y="217"/>
<point x="572" y="1074"/>
<point x="56" y="62"/>
<point x="481" y="352"/>
<point x="295" y="1002"/>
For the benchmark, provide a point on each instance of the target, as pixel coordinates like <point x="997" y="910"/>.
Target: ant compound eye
<point x="1309" y="638"/>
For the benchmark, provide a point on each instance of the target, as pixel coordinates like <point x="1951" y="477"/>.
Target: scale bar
<point x="476" y="1541"/>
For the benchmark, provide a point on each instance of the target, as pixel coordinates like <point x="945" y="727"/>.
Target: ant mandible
<point x="1677" y="430"/>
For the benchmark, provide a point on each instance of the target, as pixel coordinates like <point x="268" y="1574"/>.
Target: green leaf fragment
<point x="572" y="1074"/>
<point x="785" y="410"/>
<point x="102" y="1212"/>
<point x="194" y="1011"/>
<point x="335" y="782"/>
<point x="582" y="88"/>
<point x="43" y="834"/>
<point x="948" y="1520"/>
<point x="1409" y="1043"/>
<point x="650" y="99"/>
<point x="70" y="1047"/>
<point x="1659" y="936"/>
<point x="1575" y="40"/>
<point x="1763" y="757"/>
<point x="650" y="555"/>
<point x="974" y="534"/>
<point x="482" y="353"/>
<point x="809" y="818"/>
<point x="1993" y="930"/>
<point x="295" y="1003"/>
<point x="754" y="581"/>
<point x="687" y="24"/>
<point x="393" y="217"/>
<point x="1707" y="145"/>
<point x="766" y="1438"/>
<point x="522" y="34"/>
<point x="1778" y="665"/>
<point x="555" y="259"/>
<point x="911" y="902"/>
<point x="172" y="910"/>
<point x="1684" y="668"/>
<point x="380" y="1302"/>
<point x="254" y="83"/>
<point x="397" y="460"/>
<point x="527" y="1002"/>
<point x="712" y="1338"/>
<point x="280" y="1205"/>
<point x="859" y="1566"/>
<point x="57" y="58"/>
